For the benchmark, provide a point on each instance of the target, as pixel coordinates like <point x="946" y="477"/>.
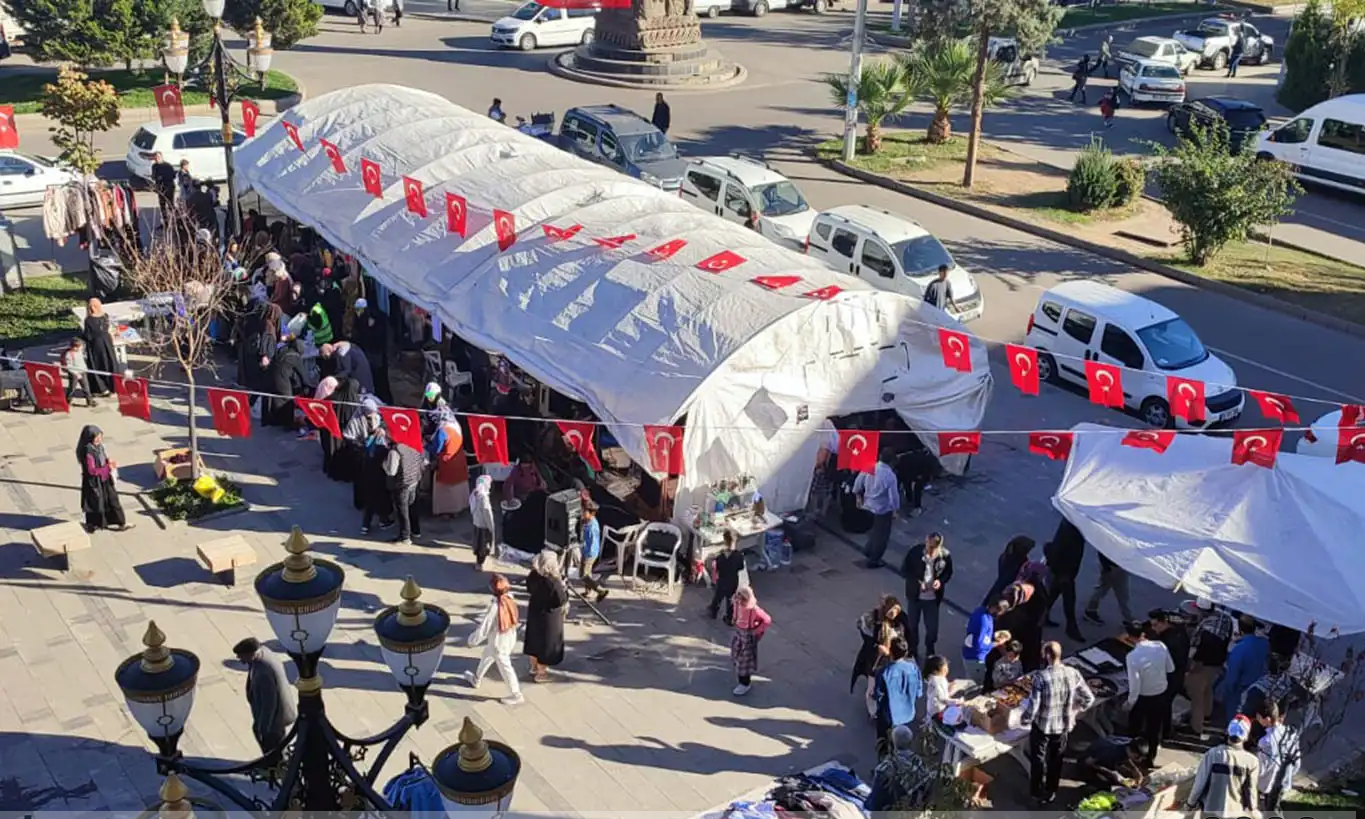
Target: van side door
<point x="843" y="256"/>
<point x="879" y="268"/>
<point x="1118" y="347"/>
<point x="735" y="204"/>
<point x="1339" y="153"/>
<point x="702" y="189"/>
<point x="1072" y="346"/>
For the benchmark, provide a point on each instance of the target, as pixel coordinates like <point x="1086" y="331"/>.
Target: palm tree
<point x="941" y="74"/>
<point x="879" y="96"/>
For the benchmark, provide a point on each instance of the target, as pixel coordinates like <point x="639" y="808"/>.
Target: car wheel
<point x="760" y="8"/>
<point x="1266" y="56"/>
<point x="1156" y="413"/>
<point x="821" y="6"/>
<point x="527" y="42"/>
<point x="713" y="12"/>
<point x="1170" y="123"/>
<point x="1220" y="61"/>
<point x="1047" y="368"/>
<point x="350" y="9"/>
<point x="1265" y="157"/>
<point x="586" y="39"/>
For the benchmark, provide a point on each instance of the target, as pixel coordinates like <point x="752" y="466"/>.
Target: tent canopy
<point x="640" y="339"/>
<point x="1280" y="544"/>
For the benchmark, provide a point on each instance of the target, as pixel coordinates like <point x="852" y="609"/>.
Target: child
<point x="1109" y="103"/>
<point x="497" y="632"/>
<point x="590" y="551"/>
<point x="728" y="567"/>
<point x="750" y="624"/>
<point x="1008" y="668"/>
<point x="77" y="372"/>
<point x="936" y="696"/>
<point x="481" y="511"/>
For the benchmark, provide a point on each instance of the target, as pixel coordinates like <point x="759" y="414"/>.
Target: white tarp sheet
<point x="642" y="341"/>
<point x="1282" y="544"/>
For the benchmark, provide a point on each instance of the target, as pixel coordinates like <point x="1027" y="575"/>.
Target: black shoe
<point x="1075" y="634"/>
<point x="1050" y="623"/>
<point x="873" y="564"/>
<point x="602" y="595"/>
<point x="1094" y="617"/>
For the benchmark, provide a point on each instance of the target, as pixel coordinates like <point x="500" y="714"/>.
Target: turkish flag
<point x="824" y="293"/>
<point x="1186" y="398"/>
<point x="169" y="105"/>
<point x="776" y="282"/>
<point x="578" y="435"/>
<point x="721" y="262"/>
<point x="615" y="242"/>
<point x="1257" y="446"/>
<point x="333" y="155"/>
<point x="1276" y="407"/>
<point x="1157" y="440"/>
<point x="415" y="198"/>
<point x="1351" y="415"/>
<point x="959" y="443"/>
<point x="251" y="114"/>
<point x="374" y="180"/>
<point x="1350" y="444"/>
<point x="293" y="131"/>
<point x="213" y="101"/>
<point x="1023" y="363"/>
<point x="319" y="413"/>
<point x="490" y="438"/>
<point x="505" y="228"/>
<point x="405" y="427"/>
<point x="665" y="449"/>
<point x="133" y="400"/>
<point x="1054" y="445"/>
<point x="9" y="131"/>
<point x="858" y="449"/>
<point x="49" y="393"/>
<point x="1106" y="384"/>
<point x="231" y="412"/>
<point x="666" y="250"/>
<point x="457" y="214"/>
<point x="957" y="350"/>
<point x="560" y="234"/>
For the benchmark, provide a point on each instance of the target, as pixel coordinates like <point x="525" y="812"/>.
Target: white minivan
<point x="534" y="26"/>
<point x="891" y="252"/>
<point x="737" y="187"/>
<point x="1325" y="144"/>
<point x="1082" y="321"/>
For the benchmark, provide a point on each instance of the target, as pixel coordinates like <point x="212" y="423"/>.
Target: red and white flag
<point x="231" y="412"/>
<point x="490" y="438"/>
<point x="372" y="177"/>
<point x="666" y="250"/>
<point x="1350" y="444"/>
<point x="1023" y="363"/>
<point x="1186" y="398"/>
<point x="1256" y="446"/>
<point x="615" y="242"/>
<point x="169" y="105"/>
<point x="579" y="436"/>
<point x="959" y="443"/>
<point x="1054" y="445"/>
<point x="858" y="449"/>
<point x="665" y="449"/>
<point x="721" y="262"/>
<point x="457" y="214"/>
<point x="414" y="196"/>
<point x="1157" y="440"/>
<point x="333" y="155"/>
<point x="824" y="293"/>
<point x="505" y="228"/>
<point x="49" y="393"/>
<point x="1276" y="407"/>
<point x="776" y="282"/>
<point x="1351" y="415"/>
<point x="251" y="114"/>
<point x="319" y="413"/>
<point x="405" y="427"/>
<point x="293" y="131"/>
<point x="957" y="350"/>
<point x="133" y="400"/>
<point x="1106" y="384"/>
<point x="556" y="234"/>
<point x="9" y="130"/>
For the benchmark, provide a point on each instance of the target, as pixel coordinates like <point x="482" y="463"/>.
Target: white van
<point x="1081" y="321"/>
<point x="1325" y="144"/>
<point x="735" y="187"/>
<point x="534" y="26"/>
<point x="890" y="252"/>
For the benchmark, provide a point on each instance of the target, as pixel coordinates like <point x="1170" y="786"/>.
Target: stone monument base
<point x="694" y="66"/>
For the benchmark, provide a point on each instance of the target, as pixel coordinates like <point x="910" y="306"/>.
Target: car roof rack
<point x="753" y="160"/>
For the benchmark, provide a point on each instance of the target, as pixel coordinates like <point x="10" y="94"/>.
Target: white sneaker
<point x="470" y="678"/>
<point x="741" y="690"/>
<point x="517" y="699"/>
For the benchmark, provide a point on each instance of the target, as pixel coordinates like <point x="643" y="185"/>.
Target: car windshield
<point x="922" y="255"/>
<point x="1161" y="72"/>
<point x="1144" y="48"/>
<point x="779" y="199"/>
<point x="1173" y="344"/>
<point x="648" y="147"/>
<point x="144" y="139"/>
<point x="1244" y="119"/>
<point x="528" y="11"/>
<point x="1213" y="28"/>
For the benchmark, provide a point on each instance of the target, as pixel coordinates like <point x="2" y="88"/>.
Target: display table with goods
<point x="831" y="790"/>
<point x="736" y="506"/>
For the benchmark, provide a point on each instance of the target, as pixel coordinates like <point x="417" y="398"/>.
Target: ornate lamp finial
<point x="298" y="567"/>
<point x="260" y="30"/>
<point x="156" y="658"/>
<point x="411" y="612"/>
<point x="175" y="803"/>
<point x="175" y="27"/>
<point x="474" y="756"/>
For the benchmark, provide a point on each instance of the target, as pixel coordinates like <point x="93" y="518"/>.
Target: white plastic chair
<point x="433" y="364"/>
<point x="455" y="380"/>
<point x="649" y="555"/>
<point x="625" y="540"/>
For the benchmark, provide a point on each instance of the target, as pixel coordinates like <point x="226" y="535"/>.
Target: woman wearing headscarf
<point x="481" y="511"/>
<point x="545" y="611"/>
<point x="374" y="481"/>
<point x="99" y="498"/>
<point x="327" y="387"/>
<point x="878" y="628"/>
<point x="357" y="432"/>
<point x="1007" y="566"/>
<point x="99" y="349"/>
<point x="341" y="465"/>
<point x="288" y="378"/>
<point x="450" y="474"/>
<point x="497" y="632"/>
<point x="751" y="622"/>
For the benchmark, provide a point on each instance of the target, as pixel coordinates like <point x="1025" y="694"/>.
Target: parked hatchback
<point x="535" y="26"/>
<point x="622" y="139"/>
<point x="25" y="178"/>
<point x="1244" y="120"/>
<point x="736" y="188"/>
<point x="198" y="139"/>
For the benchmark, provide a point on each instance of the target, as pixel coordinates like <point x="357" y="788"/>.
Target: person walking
<point x="497" y="633"/>
<point x="99" y="497"/>
<point x="273" y="710"/>
<point x="1109" y="105"/>
<point x="1247" y="662"/>
<point x="981" y="638"/>
<point x="99" y="348"/>
<point x="1064" y="555"/>
<point x="481" y="513"/>
<point x="729" y="567"/>
<point x="1225" y="784"/>
<point x="1058" y="694"/>
<point x="927" y="568"/>
<point x="1177" y="642"/>
<point x="373" y="484"/>
<point x="878" y="628"/>
<point x="940" y="291"/>
<point x="1106" y="46"/>
<point x="751" y="623"/>
<point x="1278" y="755"/>
<point x="1207" y="656"/>
<point x="897" y="688"/>
<point x="1112" y="579"/>
<point x="1149" y="665"/>
<point x="545" y="611"/>
<point x="879" y="493"/>
<point x="1079" y="77"/>
<point x="663" y="115"/>
<point x="404" y="466"/>
<point x="590" y="550"/>
<point x="163" y="180"/>
<point x="77" y="372"/>
<point x="1235" y="58"/>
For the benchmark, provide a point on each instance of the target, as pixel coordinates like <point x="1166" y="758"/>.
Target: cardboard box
<point x="993" y="720"/>
<point x="178" y="472"/>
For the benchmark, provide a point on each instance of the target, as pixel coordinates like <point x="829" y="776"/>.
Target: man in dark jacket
<point x="403" y="465"/>
<point x="268" y="693"/>
<point x="663" y="117"/>
<point x="371" y="332"/>
<point x="927" y="569"/>
<point x="164" y="181"/>
<point x="1064" y="555"/>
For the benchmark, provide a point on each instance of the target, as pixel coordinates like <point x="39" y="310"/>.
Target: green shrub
<point x="1093" y="183"/>
<point x="177" y="500"/>
<point x="1130" y="178"/>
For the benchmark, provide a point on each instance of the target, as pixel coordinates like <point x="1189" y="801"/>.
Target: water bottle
<point x="786" y="551"/>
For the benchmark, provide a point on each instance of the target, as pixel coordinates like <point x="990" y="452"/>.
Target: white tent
<point x="640" y="340"/>
<point x="1281" y="544"/>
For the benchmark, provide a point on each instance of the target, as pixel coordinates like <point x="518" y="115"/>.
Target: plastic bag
<point x="206" y="486"/>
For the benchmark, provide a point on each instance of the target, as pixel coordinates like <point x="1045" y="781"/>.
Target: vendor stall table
<point x="759" y="794"/>
<point x="705" y="542"/>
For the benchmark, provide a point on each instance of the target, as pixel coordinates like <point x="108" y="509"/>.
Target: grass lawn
<point x="44" y="306"/>
<point x="1084" y="16"/>
<point x="24" y="90"/>
<point x="903" y="152"/>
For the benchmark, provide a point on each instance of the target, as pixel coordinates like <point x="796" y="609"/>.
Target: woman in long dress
<point x="450" y="478"/>
<point x="99" y="498"/>
<point x="288" y="378"/>
<point x="341" y="466"/>
<point x="497" y="632"/>
<point x="545" y="613"/>
<point x="99" y="349"/>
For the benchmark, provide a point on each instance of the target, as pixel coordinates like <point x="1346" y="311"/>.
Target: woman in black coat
<point x="877" y="628"/>
<point x="99" y="498"/>
<point x="1008" y="565"/>
<point x="288" y="378"/>
<point x="545" y="614"/>
<point x="340" y="457"/>
<point x="99" y="349"/>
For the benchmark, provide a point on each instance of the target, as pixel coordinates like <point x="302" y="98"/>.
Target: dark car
<point x="1243" y="119"/>
<point x="622" y="139"/>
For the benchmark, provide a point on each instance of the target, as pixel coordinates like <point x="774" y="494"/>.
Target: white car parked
<point x="24" y="178"/>
<point x="198" y="139"/>
<point x="1148" y="81"/>
<point x="1159" y="50"/>
<point x="535" y="26"/>
<point x="735" y="188"/>
<point x="1322" y="437"/>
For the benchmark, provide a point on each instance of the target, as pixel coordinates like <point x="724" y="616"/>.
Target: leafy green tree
<point x="1218" y="196"/>
<point x="941" y="73"/>
<point x="289" y="21"/>
<point x="65" y="30"/>
<point x="1307" y="59"/>
<point x="880" y="95"/>
<point x="1346" y="20"/>
<point x="81" y="107"/>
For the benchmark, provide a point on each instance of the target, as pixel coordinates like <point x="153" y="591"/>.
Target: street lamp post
<point x="314" y="767"/>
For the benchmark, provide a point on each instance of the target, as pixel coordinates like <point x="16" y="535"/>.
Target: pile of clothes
<point x="832" y="792"/>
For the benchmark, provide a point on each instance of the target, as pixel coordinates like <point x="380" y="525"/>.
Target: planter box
<point x="176" y="472"/>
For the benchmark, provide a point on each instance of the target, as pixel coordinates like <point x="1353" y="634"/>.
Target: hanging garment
<point x="75" y="208"/>
<point x="54" y="213"/>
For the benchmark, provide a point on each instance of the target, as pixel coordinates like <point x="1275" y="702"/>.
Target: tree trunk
<point x="978" y="103"/>
<point x="194" y="429"/>
<point x="872" y="143"/>
<point x="941" y="128"/>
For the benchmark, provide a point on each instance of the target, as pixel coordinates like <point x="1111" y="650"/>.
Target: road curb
<point x="565" y="73"/>
<point x="892" y="41"/>
<point x="1133" y="260"/>
<point x="135" y="115"/>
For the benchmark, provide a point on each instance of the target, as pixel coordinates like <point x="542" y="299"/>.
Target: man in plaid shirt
<point x="1059" y="693"/>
